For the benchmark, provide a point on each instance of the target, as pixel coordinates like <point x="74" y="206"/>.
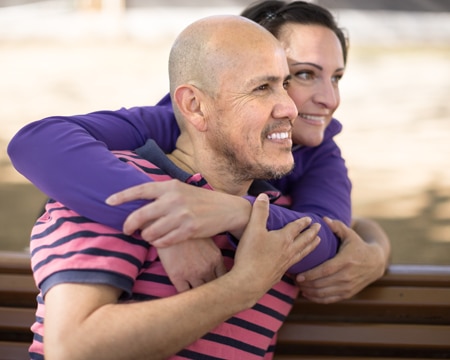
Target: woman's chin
<point x="310" y="141"/>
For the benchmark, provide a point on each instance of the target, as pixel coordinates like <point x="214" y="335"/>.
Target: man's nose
<point x="285" y="108"/>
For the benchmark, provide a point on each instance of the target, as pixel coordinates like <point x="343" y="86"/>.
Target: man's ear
<point x="189" y="100"/>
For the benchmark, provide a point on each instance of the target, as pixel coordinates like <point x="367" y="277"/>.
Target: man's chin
<point x="278" y="172"/>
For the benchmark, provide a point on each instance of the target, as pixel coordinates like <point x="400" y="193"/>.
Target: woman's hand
<point x="357" y="264"/>
<point x="180" y="211"/>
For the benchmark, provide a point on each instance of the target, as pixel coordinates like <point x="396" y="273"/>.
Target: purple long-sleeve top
<point x="69" y="159"/>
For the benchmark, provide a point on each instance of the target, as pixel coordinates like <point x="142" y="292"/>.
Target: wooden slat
<point x="386" y="303"/>
<point x="15" y="324"/>
<point x="10" y="350"/>
<point x="16" y="319"/>
<point x="363" y="335"/>
<point x="17" y="283"/>
<point x="15" y="262"/>
<point x="17" y="290"/>
<point x="400" y="295"/>
<point x="416" y="275"/>
<point x="403" y="295"/>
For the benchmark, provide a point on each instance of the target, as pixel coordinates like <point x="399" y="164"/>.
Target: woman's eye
<point x="305" y="75"/>
<point x="336" y="79"/>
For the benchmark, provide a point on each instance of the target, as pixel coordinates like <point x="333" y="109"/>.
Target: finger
<point x="181" y="285"/>
<point x="305" y="222"/>
<point x="295" y="228"/>
<point x="260" y="211"/>
<point x="166" y="229"/>
<point x="144" y="217"/>
<point x="306" y="241"/>
<point x="326" y="294"/>
<point x="323" y="271"/>
<point x="172" y="238"/>
<point x="197" y="282"/>
<point x="148" y="191"/>
<point x="307" y="248"/>
<point x="319" y="282"/>
<point x="220" y="269"/>
<point x="323" y="300"/>
<point x="338" y="227"/>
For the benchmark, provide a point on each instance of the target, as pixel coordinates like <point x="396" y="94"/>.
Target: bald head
<point x="214" y="45"/>
<point x="228" y="80"/>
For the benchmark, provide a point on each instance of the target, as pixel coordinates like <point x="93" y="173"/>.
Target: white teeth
<point x="312" y="117"/>
<point x="278" y="136"/>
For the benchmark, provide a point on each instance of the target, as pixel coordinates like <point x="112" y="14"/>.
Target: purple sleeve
<point x="324" y="187"/>
<point x="68" y="158"/>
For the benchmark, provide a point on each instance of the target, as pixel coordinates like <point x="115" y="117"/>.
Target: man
<point x="235" y="127"/>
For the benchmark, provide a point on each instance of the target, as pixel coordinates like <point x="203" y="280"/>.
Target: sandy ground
<point x="395" y="109"/>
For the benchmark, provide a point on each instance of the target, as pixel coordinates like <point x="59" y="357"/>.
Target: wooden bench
<point x="17" y="305"/>
<point x="404" y="315"/>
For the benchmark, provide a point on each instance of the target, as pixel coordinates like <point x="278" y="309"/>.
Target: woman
<point x="316" y="49"/>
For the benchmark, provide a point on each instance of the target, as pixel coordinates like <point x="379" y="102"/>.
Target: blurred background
<point x="70" y="57"/>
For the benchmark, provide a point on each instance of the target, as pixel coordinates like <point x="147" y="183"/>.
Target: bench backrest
<point x="404" y="314"/>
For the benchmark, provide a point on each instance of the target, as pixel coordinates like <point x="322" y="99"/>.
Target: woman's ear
<point x="189" y="100"/>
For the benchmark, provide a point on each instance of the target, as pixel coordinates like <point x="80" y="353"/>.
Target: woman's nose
<point x="328" y="96"/>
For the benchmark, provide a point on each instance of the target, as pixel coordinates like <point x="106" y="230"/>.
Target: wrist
<point x="240" y="211"/>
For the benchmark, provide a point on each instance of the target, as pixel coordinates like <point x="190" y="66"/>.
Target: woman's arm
<point x="373" y="234"/>
<point x="362" y="258"/>
<point x="68" y="158"/>
<point x="320" y="184"/>
<point x="201" y="213"/>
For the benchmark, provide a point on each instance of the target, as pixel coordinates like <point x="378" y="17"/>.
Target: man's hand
<point x="357" y="264"/>
<point x="267" y="255"/>
<point x="181" y="211"/>
<point x="192" y="263"/>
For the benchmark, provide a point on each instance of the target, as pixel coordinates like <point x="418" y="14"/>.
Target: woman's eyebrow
<point x="308" y="63"/>
<point x="315" y="65"/>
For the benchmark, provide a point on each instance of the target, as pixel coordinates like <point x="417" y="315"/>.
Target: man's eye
<point x="286" y="84"/>
<point x="262" y="87"/>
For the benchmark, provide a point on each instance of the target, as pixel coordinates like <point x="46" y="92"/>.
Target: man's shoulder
<point x="143" y="164"/>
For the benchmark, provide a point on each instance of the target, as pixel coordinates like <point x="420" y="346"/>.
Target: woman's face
<point x="316" y="63"/>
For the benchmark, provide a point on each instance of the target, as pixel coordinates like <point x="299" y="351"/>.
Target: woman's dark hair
<point x="273" y="14"/>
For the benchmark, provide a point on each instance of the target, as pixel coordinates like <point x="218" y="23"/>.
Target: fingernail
<point x="262" y="197"/>
<point x="110" y="200"/>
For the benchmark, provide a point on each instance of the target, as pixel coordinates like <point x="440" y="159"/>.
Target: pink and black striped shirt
<point x="67" y="247"/>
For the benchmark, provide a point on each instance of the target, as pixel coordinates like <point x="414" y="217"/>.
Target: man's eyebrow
<point x="268" y="78"/>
